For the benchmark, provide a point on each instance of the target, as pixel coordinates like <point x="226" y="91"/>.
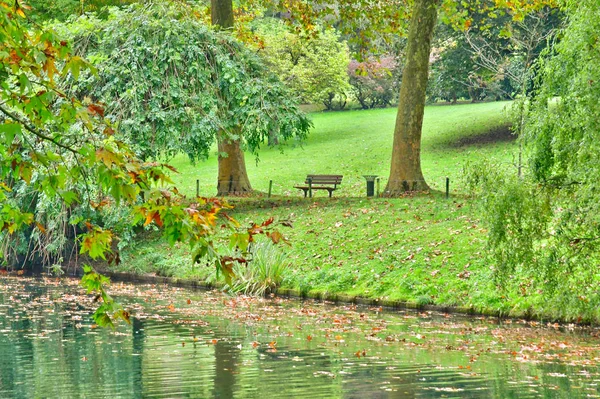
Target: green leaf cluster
<point x="315" y="68"/>
<point x="172" y="84"/>
<point x="545" y="225"/>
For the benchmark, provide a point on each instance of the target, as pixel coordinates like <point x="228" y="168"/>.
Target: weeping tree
<point x="174" y="85"/>
<point x="543" y="224"/>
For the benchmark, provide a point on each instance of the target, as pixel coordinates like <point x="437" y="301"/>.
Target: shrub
<point x="264" y="271"/>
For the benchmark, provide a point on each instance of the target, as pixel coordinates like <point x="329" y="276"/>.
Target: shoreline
<point x="339" y="299"/>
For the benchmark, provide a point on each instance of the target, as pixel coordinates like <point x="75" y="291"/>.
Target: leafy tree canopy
<point x="43" y="10"/>
<point x="172" y="84"/>
<point x="544" y="226"/>
<point x="313" y="67"/>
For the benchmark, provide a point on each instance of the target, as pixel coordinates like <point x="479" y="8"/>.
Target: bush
<point x="314" y="68"/>
<point x="264" y="271"/>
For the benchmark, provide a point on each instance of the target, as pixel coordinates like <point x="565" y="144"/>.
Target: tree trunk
<point x="405" y="172"/>
<point x="221" y="13"/>
<point x="233" y="178"/>
<point x="273" y="139"/>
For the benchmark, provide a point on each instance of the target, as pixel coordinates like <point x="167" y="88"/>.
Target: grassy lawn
<point x="357" y="143"/>
<point x="425" y="249"/>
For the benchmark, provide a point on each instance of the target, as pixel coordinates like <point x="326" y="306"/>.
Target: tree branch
<point x="36" y="132"/>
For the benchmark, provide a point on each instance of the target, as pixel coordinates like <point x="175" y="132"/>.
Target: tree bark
<point x="221" y="13"/>
<point x="232" y="178"/>
<point x="405" y="171"/>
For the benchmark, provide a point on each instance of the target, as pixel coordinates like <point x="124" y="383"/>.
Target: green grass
<point x="357" y="143"/>
<point x="423" y="249"/>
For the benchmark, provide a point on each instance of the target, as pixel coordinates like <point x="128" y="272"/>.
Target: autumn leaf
<point x="96" y="243"/>
<point x="41" y="227"/>
<point x="157" y="219"/>
<point x="107" y="157"/>
<point x="96" y="109"/>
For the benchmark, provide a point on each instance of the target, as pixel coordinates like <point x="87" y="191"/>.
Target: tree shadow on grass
<point x="498" y="134"/>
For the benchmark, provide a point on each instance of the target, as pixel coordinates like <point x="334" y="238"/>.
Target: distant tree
<point x="314" y="67"/>
<point x="43" y="10"/>
<point x="451" y="73"/>
<point x="505" y="49"/>
<point x="375" y="82"/>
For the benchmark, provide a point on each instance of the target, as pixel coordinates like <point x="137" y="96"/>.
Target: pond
<point x="195" y="344"/>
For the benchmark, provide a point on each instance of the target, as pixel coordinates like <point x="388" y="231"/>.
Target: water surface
<point x="191" y="344"/>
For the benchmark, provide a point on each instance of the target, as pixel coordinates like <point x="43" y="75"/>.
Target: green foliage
<point x="543" y="227"/>
<point x="515" y="212"/>
<point x="315" y="68"/>
<point x="262" y="272"/>
<point x="172" y="84"/>
<point x="109" y="310"/>
<point x="375" y="83"/>
<point x="43" y="10"/>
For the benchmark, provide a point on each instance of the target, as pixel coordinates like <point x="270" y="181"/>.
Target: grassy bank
<point x="423" y="250"/>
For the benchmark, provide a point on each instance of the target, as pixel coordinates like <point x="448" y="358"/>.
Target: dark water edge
<point x="193" y="344"/>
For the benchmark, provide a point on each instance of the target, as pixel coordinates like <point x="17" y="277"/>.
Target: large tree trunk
<point x="405" y="173"/>
<point x="233" y="178"/>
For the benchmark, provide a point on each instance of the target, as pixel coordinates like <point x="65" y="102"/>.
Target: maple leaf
<point x="96" y="109"/>
<point x="107" y="157"/>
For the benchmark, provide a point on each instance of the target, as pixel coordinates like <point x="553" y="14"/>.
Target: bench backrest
<point x="324" y="179"/>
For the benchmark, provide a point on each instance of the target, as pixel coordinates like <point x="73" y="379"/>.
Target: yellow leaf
<point x="50" y="68"/>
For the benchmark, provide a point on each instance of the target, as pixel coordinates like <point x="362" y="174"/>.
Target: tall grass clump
<point x="264" y="271"/>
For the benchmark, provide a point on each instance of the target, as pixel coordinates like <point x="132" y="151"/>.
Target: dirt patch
<point x="500" y="134"/>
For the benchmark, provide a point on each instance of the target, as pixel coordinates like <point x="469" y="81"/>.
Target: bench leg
<point x="330" y="192"/>
<point x="305" y="192"/>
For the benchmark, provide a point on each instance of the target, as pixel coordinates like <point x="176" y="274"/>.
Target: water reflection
<point x="203" y="345"/>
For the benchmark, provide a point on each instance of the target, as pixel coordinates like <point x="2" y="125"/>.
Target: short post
<point x="310" y="187"/>
<point x="447" y="187"/>
<point x="197" y="187"/>
<point x="378" y="181"/>
<point x="270" y="188"/>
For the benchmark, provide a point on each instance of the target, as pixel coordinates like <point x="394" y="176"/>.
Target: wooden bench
<point x="320" y="182"/>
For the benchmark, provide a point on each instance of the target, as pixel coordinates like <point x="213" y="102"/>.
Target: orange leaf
<point x="157" y="220"/>
<point x="41" y="228"/>
<point x="148" y="220"/>
<point x="96" y="109"/>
